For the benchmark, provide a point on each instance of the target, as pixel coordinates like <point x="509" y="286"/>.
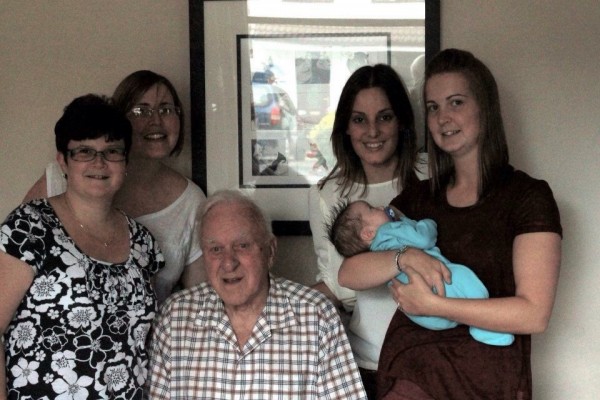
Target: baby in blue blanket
<point x="359" y="227"/>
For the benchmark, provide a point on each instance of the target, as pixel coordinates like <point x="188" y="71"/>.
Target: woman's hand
<point x="415" y="297"/>
<point x="432" y="271"/>
<point x="536" y="268"/>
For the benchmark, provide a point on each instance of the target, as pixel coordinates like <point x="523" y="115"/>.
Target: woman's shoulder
<point x="530" y="202"/>
<point x="326" y="186"/>
<point x="55" y="181"/>
<point x="329" y="191"/>
<point x="33" y="209"/>
<point x="139" y="232"/>
<point x="194" y="191"/>
<point x="416" y="186"/>
<point x="521" y="184"/>
<point x="182" y="187"/>
<point x="175" y="181"/>
<point x="27" y="230"/>
<point x="177" y="193"/>
<point x="522" y="177"/>
<point x="416" y="193"/>
<point x="189" y="201"/>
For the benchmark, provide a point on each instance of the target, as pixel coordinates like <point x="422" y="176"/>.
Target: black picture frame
<point x="281" y="226"/>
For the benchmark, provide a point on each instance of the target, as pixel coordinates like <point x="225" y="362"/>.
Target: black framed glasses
<point x="144" y="112"/>
<point x="88" y="154"/>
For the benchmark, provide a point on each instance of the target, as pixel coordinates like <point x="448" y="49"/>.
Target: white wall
<point x="545" y="55"/>
<point x="54" y="51"/>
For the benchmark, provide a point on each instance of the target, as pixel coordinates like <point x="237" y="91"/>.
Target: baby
<point x="358" y="227"/>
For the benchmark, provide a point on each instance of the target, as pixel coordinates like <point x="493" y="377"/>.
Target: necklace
<point x="84" y="229"/>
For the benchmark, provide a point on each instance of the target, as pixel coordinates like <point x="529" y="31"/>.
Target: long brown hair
<point x="348" y="171"/>
<point x="493" y="150"/>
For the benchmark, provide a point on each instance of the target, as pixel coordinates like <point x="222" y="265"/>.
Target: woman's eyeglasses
<point x="147" y="112"/>
<point x="89" y="154"/>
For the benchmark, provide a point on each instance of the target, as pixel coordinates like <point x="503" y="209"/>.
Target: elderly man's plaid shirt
<point x="298" y="349"/>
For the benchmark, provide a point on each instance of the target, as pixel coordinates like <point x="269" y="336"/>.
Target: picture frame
<point x="277" y="135"/>
<point x="250" y="65"/>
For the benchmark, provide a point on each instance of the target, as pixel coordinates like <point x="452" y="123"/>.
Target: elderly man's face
<point x="238" y="255"/>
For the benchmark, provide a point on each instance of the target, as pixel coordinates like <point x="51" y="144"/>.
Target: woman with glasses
<point x="153" y="193"/>
<point x="76" y="302"/>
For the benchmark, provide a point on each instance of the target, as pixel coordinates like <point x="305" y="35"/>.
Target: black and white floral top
<point x="80" y="331"/>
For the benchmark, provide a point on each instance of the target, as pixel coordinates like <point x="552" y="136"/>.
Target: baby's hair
<point x="343" y="230"/>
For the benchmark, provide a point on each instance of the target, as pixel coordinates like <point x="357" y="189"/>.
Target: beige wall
<point x="545" y="55"/>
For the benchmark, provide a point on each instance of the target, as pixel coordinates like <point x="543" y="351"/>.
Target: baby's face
<point x="371" y="216"/>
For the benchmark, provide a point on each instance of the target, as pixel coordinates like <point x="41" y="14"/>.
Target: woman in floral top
<point x="76" y="302"/>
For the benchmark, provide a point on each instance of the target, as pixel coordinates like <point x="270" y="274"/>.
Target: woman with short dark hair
<point x="76" y="300"/>
<point x="153" y="193"/>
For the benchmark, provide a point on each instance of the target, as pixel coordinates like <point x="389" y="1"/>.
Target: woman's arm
<point x="328" y="260"/>
<point x="536" y="263"/>
<point x="368" y="270"/>
<point x="15" y="279"/>
<point x="3" y="391"/>
<point x="52" y="182"/>
<point x="371" y="269"/>
<point x="38" y="190"/>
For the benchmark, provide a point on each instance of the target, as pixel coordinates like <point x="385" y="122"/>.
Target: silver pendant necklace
<point x="83" y="228"/>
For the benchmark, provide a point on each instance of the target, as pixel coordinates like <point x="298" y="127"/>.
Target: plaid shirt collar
<point x="278" y="314"/>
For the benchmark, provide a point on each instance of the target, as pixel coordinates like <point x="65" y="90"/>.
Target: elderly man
<point x="245" y="334"/>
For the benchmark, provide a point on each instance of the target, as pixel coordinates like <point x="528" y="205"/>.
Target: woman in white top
<point x="154" y="194"/>
<point x="373" y="139"/>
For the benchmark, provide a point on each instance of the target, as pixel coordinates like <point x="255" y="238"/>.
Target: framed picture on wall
<point x="265" y="81"/>
<point x="285" y="87"/>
